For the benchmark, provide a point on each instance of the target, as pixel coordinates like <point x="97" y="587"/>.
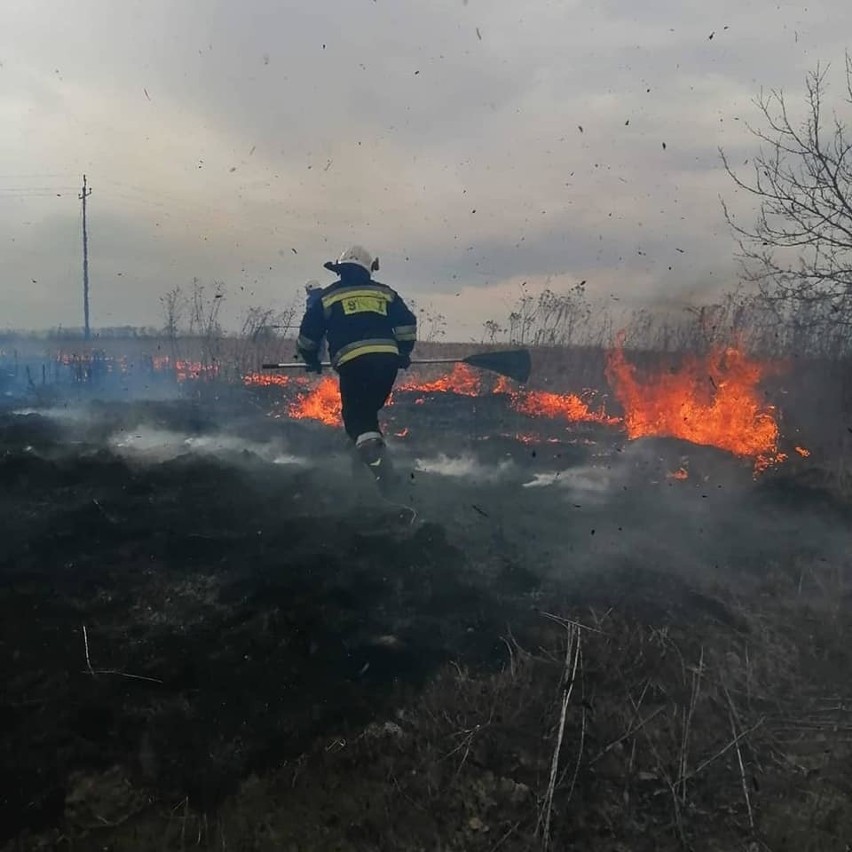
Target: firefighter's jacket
<point x="358" y="316"/>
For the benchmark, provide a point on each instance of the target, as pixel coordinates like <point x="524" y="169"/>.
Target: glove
<point x="404" y="361"/>
<point x="312" y="362"/>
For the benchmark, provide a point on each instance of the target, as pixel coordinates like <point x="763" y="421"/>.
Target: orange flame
<point x="711" y="400"/>
<point x="462" y="380"/>
<point x="803" y="452"/>
<point x="185" y="370"/>
<point x="321" y="402"/>
<point x="261" y="380"/>
<point x="567" y="406"/>
<point x="502" y="385"/>
<point x="681" y="473"/>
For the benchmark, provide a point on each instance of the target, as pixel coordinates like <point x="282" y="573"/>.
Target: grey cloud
<point x="347" y="142"/>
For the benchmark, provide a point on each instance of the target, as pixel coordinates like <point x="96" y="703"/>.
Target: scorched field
<point x="610" y="621"/>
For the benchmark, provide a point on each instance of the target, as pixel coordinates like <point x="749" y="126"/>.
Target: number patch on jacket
<point x="364" y="305"/>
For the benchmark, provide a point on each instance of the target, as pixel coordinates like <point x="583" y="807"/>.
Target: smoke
<point x="652" y="505"/>
<point x="465" y="467"/>
<point x="146" y="435"/>
<point x="67" y="413"/>
<point x="588" y="482"/>
<point x="152" y="445"/>
<point x="562" y="509"/>
<point x="717" y="520"/>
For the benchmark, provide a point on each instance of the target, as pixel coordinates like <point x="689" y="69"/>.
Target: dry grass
<point x="599" y="732"/>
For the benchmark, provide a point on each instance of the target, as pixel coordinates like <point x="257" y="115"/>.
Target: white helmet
<point x="313" y="284"/>
<point x="358" y="256"/>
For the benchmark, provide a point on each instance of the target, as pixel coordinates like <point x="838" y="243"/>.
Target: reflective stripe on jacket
<point x="358" y="316"/>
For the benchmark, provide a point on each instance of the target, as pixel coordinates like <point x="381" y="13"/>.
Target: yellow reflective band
<point x="306" y="343"/>
<point x="365" y="305"/>
<point x="405" y="332"/>
<point x="355" y="293"/>
<point x="375" y="349"/>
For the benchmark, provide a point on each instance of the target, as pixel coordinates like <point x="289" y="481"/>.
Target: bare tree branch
<point x="799" y="249"/>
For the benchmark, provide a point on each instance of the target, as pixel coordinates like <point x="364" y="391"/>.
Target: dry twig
<point x="713" y="758"/>
<point x="626" y="735"/>
<point x="567" y="622"/>
<point x="731" y="716"/>
<point x="86" y="645"/>
<point x="572" y="661"/>
<point x="687" y="723"/>
<point x="94" y="672"/>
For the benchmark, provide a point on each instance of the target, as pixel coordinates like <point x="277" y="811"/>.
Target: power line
<point x="167" y="199"/>
<point x="36" y="175"/>
<point x="34" y="188"/>
<point x="25" y="195"/>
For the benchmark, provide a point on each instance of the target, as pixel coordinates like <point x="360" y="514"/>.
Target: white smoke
<point x="157" y="445"/>
<point x="465" y="467"/>
<point x="70" y="413"/>
<point x="591" y="483"/>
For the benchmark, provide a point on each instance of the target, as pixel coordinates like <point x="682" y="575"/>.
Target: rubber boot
<point x="372" y="450"/>
<point x="356" y="464"/>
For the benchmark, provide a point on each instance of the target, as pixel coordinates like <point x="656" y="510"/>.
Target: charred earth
<point x="214" y="634"/>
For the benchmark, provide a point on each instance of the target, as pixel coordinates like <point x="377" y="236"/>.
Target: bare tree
<point x="799" y="251"/>
<point x="550" y="319"/>
<point x="173" y="305"/>
<point x="560" y="317"/>
<point x="262" y="333"/>
<point x="258" y="324"/>
<point x="204" y="322"/>
<point x="432" y="325"/>
<point x="527" y="311"/>
<point x="491" y="328"/>
<point x="514" y="320"/>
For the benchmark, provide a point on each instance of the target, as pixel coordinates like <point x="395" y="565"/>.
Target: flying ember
<point x="681" y="473"/>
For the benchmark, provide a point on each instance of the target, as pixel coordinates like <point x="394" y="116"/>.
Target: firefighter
<point x="370" y="333"/>
<point x="313" y="292"/>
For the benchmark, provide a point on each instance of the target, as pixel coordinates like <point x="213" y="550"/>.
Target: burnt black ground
<point x="245" y="604"/>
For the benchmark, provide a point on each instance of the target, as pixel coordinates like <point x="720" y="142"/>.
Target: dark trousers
<point x="365" y="385"/>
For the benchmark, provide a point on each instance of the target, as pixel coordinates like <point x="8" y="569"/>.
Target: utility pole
<point x="86" y="192"/>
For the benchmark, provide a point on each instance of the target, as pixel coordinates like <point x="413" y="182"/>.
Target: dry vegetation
<point x="617" y="734"/>
<point x="808" y="354"/>
<point x="711" y="723"/>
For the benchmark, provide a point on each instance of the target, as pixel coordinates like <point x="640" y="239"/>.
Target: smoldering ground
<point x="581" y="502"/>
<point x="245" y="594"/>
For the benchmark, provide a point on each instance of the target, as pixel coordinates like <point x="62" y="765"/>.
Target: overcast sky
<point x="251" y="141"/>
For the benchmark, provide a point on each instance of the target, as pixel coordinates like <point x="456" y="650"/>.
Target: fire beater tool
<point x="513" y="363"/>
